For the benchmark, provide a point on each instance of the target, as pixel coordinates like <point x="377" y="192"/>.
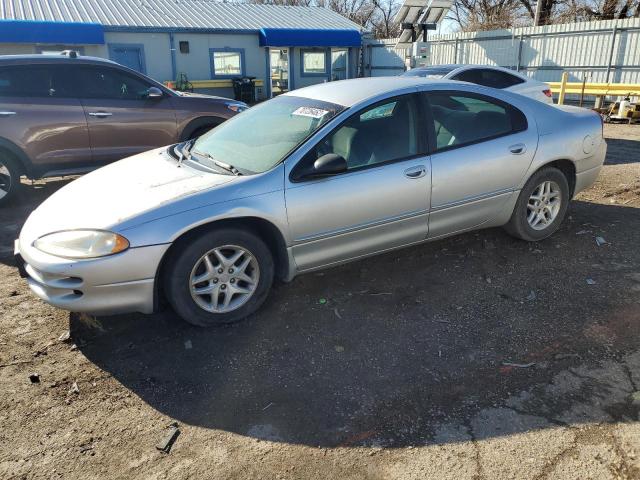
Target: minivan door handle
<point x="518" y="148"/>
<point x="415" y="172"/>
<point x="100" y="114"/>
<point x="7" y="114"/>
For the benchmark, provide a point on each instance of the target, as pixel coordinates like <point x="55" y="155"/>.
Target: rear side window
<point x="463" y="119"/>
<point x="489" y="78"/>
<point x="36" y="81"/>
<point x="110" y="83"/>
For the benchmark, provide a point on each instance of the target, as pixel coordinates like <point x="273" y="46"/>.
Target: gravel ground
<point x="476" y="357"/>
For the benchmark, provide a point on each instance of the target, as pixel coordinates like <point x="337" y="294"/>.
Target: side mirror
<point x="154" y="92"/>
<point x="328" y="164"/>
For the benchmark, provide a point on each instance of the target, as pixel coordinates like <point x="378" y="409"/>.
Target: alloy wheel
<point x="544" y="205"/>
<point x="224" y="279"/>
<point x="5" y="180"/>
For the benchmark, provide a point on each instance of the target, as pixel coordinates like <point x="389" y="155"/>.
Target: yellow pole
<point x="563" y="87"/>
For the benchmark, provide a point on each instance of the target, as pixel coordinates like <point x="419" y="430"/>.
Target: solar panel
<point x="417" y="13"/>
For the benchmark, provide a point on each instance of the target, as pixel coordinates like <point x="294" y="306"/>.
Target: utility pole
<point x="536" y="19"/>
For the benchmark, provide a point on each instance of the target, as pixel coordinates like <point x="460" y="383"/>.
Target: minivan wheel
<point x="541" y="206"/>
<point x="9" y="179"/>
<point x="219" y="277"/>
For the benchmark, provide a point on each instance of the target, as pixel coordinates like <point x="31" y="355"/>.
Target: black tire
<point x="177" y="277"/>
<point x="9" y="183"/>
<point x="518" y="225"/>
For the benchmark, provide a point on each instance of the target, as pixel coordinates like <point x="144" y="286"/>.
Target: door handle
<point x="100" y="114"/>
<point x="7" y="114"/>
<point x="415" y="172"/>
<point x="518" y="148"/>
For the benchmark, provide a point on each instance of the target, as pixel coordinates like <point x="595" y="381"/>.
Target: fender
<point x="198" y="123"/>
<point x="18" y="153"/>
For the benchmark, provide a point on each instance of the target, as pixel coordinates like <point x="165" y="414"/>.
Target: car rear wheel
<point x="219" y="277"/>
<point x="9" y="179"/>
<point x="541" y="206"/>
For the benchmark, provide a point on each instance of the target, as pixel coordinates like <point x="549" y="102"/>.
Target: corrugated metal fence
<point x="604" y="51"/>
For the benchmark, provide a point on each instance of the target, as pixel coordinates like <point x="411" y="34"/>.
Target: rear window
<point x="429" y="72"/>
<point x="489" y="77"/>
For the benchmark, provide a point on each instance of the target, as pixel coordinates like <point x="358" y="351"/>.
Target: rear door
<point x="122" y="119"/>
<point x="43" y="117"/>
<point x="482" y="148"/>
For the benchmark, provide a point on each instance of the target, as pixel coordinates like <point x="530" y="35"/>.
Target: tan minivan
<point x="67" y="114"/>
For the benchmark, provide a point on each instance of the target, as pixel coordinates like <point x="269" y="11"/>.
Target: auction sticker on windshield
<point x="310" y="112"/>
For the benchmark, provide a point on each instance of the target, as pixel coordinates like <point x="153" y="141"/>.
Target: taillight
<point x="547" y="92"/>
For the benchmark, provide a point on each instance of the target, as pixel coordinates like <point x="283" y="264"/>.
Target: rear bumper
<point x="119" y="283"/>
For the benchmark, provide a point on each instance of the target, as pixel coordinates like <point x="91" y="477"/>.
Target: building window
<point x="184" y="46"/>
<point x="313" y="62"/>
<point x="227" y="62"/>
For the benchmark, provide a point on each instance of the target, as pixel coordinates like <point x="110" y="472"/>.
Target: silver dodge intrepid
<point x="311" y="179"/>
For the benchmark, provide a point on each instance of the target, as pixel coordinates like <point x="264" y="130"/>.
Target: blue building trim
<point x="305" y="37"/>
<point x="172" y="49"/>
<point x="227" y="49"/>
<point x="139" y="46"/>
<point x="60" y="33"/>
<point x="327" y="62"/>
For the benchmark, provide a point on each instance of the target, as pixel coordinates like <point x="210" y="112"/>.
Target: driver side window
<point x="110" y="83"/>
<point x="381" y="133"/>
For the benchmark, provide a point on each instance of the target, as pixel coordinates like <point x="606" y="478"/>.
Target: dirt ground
<point x="477" y="357"/>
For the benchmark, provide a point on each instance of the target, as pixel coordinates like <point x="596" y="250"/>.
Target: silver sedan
<point x="311" y="179"/>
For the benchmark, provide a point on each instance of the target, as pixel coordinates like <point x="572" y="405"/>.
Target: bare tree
<point x="474" y="15"/>
<point x="383" y="25"/>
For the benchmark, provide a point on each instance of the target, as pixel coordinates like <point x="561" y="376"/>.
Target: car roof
<point x="351" y="92"/>
<point x="50" y="58"/>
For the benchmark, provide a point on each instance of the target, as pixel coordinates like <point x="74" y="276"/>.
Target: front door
<point x="279" y="60"/>
<point x="122" y="120"/>
<point x="339" y="63"/>
<point x="482" y="149"/>
<point x="131" y="56"/>
<point x="380" y="202"/>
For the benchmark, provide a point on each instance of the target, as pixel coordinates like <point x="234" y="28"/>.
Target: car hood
<point x="118" y="192"/>
<point x="201" y="96"/>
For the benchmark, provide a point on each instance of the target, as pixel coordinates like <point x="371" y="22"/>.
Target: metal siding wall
<point x="546" y="51"/>
<point x="157" y="52"/>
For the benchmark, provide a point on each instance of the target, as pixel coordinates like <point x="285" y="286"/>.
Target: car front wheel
<point x="219" y="277"/>
<point x="541" y="206"/>
<point x="9" y="179"/>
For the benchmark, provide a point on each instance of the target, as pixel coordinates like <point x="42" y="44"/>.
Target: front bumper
<point x="118" y="283"/>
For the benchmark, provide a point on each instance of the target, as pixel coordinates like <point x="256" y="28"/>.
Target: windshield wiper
<point x="224" y="166"/>
<point x="185" y="151"/>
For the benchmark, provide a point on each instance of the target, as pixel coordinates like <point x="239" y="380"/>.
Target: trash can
<point x="244" y="89"/>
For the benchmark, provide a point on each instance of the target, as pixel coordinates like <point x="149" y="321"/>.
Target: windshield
<point x="429" y="72"/>
<point x="259" y="138"/>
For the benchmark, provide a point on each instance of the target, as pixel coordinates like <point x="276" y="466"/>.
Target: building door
<point x="279" y="67"/>
<point x="339" y="64"/>
<point x="131" y="56"/>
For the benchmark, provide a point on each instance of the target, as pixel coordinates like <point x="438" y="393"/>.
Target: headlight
<point x="82" y="243"/>
<point x="237" y="107"/>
